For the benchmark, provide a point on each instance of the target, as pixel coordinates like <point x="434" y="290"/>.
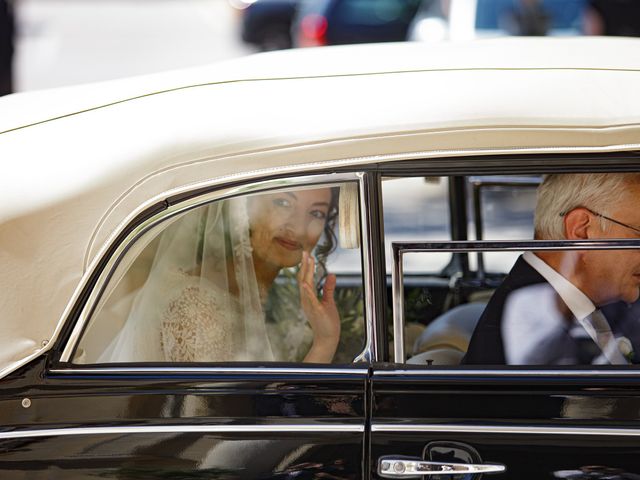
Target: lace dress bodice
<point x="200" y="322"/>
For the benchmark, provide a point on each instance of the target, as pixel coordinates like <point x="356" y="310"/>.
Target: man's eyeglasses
<point x="635" y="229"/>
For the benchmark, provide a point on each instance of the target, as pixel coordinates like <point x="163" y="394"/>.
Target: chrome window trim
<point x="209" y="370"/>
<point x="507" y="372"/>
<point x="399" y="249"/>
<point x="502" y="430"/>
<point x="370" y="351"/>
<point x="251" y="186"/>
<point x="440" y="162"/>
<point x="127" y="430"/>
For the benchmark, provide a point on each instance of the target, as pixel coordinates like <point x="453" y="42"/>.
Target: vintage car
<point x="160" y="307"/>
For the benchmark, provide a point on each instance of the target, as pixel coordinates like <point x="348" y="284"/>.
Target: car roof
<point x="25" y="109"/>
<point x="79" y="162"/>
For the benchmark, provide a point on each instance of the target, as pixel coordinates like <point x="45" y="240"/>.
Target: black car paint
<point x="578" y="403"/>
<point x="71" y="401"/>
<point x="509" y="399"/>
<point x="582" y="402"/>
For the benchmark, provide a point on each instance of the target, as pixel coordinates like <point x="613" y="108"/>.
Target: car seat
<point x="446" y="339"/>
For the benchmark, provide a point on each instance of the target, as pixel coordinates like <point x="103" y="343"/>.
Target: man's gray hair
<point x="561" y="193"/>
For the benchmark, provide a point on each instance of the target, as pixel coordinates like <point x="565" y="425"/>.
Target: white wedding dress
<point x="199" y="324"/>
<point x="200" y="302"/>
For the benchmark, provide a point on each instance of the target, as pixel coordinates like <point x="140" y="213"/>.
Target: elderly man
<point x="548" y="309"/>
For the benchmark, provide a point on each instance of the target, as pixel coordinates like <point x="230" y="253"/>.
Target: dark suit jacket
<point x="487" y="348"/>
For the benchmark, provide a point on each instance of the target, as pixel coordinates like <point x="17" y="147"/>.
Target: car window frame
<point x="171" y="204"/>
<point x="516" y="164"/>
<point x="399" y="249"/>
<point x="369" y="177"/>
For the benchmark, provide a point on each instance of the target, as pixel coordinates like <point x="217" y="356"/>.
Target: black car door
<point x="520" y="424"/>
<point x="431" y="415"/>
<point x="91" y="409"/>
<point x="133" y="423"/>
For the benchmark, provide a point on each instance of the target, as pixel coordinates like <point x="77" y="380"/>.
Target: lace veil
<point x="201" y="300"/>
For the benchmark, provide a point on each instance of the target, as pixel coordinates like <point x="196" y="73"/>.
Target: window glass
<point x="500" y="208"/>
<point x="249" y="278"/>
<point x="495" y="304"/>
<point x="523" y="319"/>
<point x="416" y="208"/>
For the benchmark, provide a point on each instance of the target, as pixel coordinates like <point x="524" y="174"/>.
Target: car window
<point x="500" y="208"/>
<point x="498" y="303"/>
<point x="416" y="208"/>
<point x="247" y="278"/>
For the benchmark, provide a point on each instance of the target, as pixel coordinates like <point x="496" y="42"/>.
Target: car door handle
<point x="397" y="467"/>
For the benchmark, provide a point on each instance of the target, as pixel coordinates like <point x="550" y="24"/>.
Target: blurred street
<point x="66" y="42"/>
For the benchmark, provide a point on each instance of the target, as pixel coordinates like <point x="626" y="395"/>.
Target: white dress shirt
<point x="578" y="303"/>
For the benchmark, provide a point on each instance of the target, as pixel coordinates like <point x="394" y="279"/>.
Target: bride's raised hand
<point x="321" y="314"/>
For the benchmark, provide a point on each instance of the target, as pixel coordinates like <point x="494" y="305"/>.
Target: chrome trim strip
<point x="397" y="294"/>
<point x="369" y="353"/>
<point x="499" y="429"/>
<point x="399" y="249"/>
<point x="513" y="245"/>
<point x="171" y="211"/>
<point x="433" y="372"/>
<point x="57" y="432"/>
<point x="210" y="370"/>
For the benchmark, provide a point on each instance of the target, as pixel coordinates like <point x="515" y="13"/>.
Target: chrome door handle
<point x="397" y="467"/>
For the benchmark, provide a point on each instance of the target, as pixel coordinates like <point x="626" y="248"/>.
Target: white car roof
<point x="77" y="161"/>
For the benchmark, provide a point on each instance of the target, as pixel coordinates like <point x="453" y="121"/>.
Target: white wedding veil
<point x="202" y="277"/>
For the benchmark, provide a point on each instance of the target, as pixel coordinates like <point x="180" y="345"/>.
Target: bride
<point x="212" y="271"/>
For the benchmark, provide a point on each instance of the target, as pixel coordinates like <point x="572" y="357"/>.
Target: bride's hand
<point x="322" y="314"/>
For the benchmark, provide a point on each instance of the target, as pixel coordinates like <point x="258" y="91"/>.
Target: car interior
<point x="446" y="293"/>
<point x="444" y="290"/>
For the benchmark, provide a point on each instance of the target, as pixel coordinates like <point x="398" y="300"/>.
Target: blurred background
<point x="66" y="42"/>
<point x="53" y="43"/>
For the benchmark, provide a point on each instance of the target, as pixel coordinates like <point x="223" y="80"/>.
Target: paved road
<point x="65" y="42"/>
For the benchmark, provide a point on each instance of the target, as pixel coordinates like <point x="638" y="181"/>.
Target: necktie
<point x="606" y="340"/>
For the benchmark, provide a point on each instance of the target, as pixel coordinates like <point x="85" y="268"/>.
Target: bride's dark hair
<point x="329" y="240"/>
